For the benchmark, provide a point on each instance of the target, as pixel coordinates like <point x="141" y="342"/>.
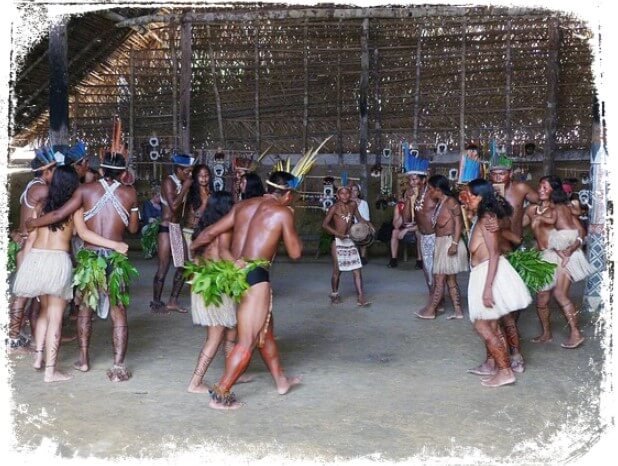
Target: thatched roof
<point x="291" y="75"/>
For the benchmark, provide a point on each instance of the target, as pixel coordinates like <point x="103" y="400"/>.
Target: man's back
<point x="107" y="222"/>
<point x="258" y="228"/>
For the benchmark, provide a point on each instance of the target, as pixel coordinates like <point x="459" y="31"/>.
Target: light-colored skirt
<point x="211" y="316"/>
<point x="577" y="267"/>
<point x="348" y="257"/>
<point x="549" y="255"/>
<point x="45" y="272"/>
<point x="510" y="293"/>
<point x="445" y="264"/>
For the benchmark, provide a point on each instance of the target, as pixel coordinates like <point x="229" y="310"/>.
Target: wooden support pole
<point x="417" y="86"/>
<point x="377" y="100"/>
<point x="305" y="87"/>
<point x="185" y="86"/>
<point x="75" y="115"/>
<point x="508" y="122"/>
<point x="174" y="84"/>
<point x="462" y="97"/>
<point x="213" y="71"/>
<point x="339" y="133"/>
<point x="551" y="114"/>
<point x="131" y="103"/>
<point x="58" y="84"/>
<point x="364" y="91"/>
<point x="258" y="134"/>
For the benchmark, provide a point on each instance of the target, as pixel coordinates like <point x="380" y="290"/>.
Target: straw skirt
<point x="577" y="267"/>
<point x="449" y="265"/>
<point x="211" y="316"/>
<point x="45" y="272"/>
<point x="510" y="293"/>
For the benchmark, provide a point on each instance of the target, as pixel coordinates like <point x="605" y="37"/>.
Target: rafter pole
<point x="213" y="71"/>
<point x="58" y="84"/>
<point x="186" y="43"/>
<point x="551" y="114"/>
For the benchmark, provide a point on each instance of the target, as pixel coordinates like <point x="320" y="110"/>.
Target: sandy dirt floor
<point x="377" y="383"/>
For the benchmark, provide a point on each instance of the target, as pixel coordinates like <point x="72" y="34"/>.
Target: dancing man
<point x="338" y="221"/>
<point x="170" y="242"/>
<point x="110" y="208"/>
<point x="257" y="225"/>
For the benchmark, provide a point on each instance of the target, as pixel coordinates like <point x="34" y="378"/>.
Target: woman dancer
<point x="494" y="288"/>
<point x="251" y="186"/>
<point x="199" y="192"/>
<point x="220" y="321"/>
<point x="47" y="271"/>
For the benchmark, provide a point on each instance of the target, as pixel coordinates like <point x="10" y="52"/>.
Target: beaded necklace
<point x="418" y="205"/>
<point x="436" y="212"/>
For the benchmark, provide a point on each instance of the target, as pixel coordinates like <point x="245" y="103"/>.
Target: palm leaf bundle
<point x="534" y="271"/>
<point x="120" y="278"/>
<point x="11" y="261"/>
<point x="90" y="277"/>
<point x="150" y="233"/>
<point x="213" y="279"/>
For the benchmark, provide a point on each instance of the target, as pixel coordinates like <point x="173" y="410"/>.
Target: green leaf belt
<point x="213" y="279"/>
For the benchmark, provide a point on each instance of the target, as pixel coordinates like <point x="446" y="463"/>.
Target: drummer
<point x="338" y="222"/>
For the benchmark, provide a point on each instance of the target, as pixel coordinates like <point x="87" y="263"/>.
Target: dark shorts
<point x="409" y="238"/>
<point x="163" y="229"/>
<point x="258" y="275"/>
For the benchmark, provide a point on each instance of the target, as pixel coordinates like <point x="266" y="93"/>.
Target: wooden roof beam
<point x="331" y="13"/>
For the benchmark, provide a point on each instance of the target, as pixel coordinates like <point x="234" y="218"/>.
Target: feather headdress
<point x="117" y="147"/>
<point x="48" y="158"/>
<point x="248" y="164"/>
<point x="499" y="159"/>
<point x="412" y="163"/>
<point x="302" y="167"/>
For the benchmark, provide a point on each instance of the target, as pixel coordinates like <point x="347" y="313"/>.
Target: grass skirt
<point x="45" y="272"/>
<point x="449" y="265"/>
<point x="210" y="316"/>
<point x="578" y="267"/>
<point x="509" y="291"/>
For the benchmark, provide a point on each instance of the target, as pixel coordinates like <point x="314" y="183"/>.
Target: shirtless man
<point x="106" y="205"/>
<point x="338" y="221"/>
<point x="171" y="246"/>
<point x="258" y="225"/>
<point x="450" y="254"/>
<point x="33" y="197"/>
<point x="543" y="220"/>
<point x="418" y="211"/>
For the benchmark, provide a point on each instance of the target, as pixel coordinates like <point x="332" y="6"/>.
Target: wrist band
<point x="134" y="209"/>
<point x="581" y="241"/>
<point x="455" y="243"/>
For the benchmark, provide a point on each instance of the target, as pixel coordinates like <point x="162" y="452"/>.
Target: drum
<point x="362" y="234"/>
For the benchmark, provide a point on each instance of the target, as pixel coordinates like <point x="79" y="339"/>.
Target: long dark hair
<point x="491" y="202"/>
<point x="219" y="203"/>
<point x="558" y="195"/>
<point x="194" y="191"/>
<point x="441" y="182"/>
<point x="254" y="187"/>
<point x="64" y="183"/>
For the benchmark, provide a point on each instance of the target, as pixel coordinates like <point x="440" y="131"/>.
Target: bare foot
<point x="455" y="316"/>
<point x="502" y="377"/>
<point x="335" y="298"/>
<point x="545" y="338"/>
<point x="80" y="366"/>
<point x="38" y="360"/>
<point x="176" y="308"/>
<point x="487" y="368"/>
<point x="245" y="378"/>
<point x="285" y="384"/>
<point x="118" y="373"/>
<point x="224" y="407"/>
<point x="363" y="303"/>
<point x="423" y="314"/>
<point x="201" y="388"/>
<point x="57" y="376"/>
<point x="573" y="342"/>
<point x="517" y="363"/>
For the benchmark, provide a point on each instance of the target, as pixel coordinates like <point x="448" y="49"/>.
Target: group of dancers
<point x="248" y="225"/>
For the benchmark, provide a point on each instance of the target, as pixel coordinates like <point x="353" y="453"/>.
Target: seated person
<point x="401" y="232"/>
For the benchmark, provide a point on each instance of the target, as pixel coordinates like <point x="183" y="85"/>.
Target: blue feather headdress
<point x="77" y="152"/>
<point x="48" y="158"/>
<point x="412" y="163"/>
